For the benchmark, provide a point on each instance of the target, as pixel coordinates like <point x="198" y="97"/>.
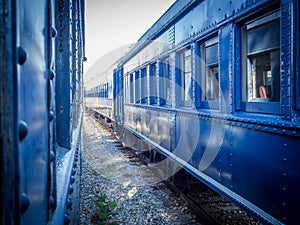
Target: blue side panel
<point x="9" y="179"/>
<point x="270" y="182"/>
<point x="153" y="124"/>
<point x="63" y="74"/>
<point x="297" y="12"/>
<point x="206" y="15"/>
<point x="33" y="94"/>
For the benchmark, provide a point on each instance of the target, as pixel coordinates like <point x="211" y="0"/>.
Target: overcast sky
<point x="111" y="24"/>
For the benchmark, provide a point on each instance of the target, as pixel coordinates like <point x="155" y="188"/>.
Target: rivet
<point x="284" y="189"/>
<point x="51" y="202"/>
<point x="68" y="203"/>
<point x="284" y="159"/>
<point x="285" y="145"/>
<point x="52" y="156"/>
<point x="51" y="74"/>
<point x="22" y="55"/>
<point x="23" y="130"/>
<point x="73" y="172"/>
<point x="51" y="116"/>
<point x="24" y="202"/>
<point x="53" y="32"/>
<point x="67" y="219"/>
<point x="284" y="174"/>
<point x="72" y="180"/>
<point x="70" y="189"/>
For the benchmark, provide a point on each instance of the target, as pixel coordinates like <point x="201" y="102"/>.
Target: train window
<point x="137" y="87"/>
<point x="106" y="89"/>
<point x="164" y="84"/>
<point x="261" y="61"/>
<point x="210" y="80"/>
<point x="131" y="89"/>
<point x="153" y="83"/>
<point x="144" y="94"/>
<point x="185" y="78"/>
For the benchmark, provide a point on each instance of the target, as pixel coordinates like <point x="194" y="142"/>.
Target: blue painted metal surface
<point x="64" y="74"/>
<point x="33" y="108"/>
<point x="8" y="116"/>
<point x="31" y="133"/>
<point x="247" y="151"/>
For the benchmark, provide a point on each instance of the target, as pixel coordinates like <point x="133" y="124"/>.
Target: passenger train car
<point x="42" y="54"/>
<point x="215" y="87"/>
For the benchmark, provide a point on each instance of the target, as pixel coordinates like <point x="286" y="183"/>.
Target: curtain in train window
<point x="261" y="41"/>
<point x="211" y="78"/>
<point x="186" y="78"/>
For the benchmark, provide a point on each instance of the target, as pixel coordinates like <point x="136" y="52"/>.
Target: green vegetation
<point x="105" y="211"/>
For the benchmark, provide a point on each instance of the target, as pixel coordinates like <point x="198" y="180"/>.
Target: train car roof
<point x="163" y="23"/>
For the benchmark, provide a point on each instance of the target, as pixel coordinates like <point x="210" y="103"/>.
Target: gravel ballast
<point x="140" y="197"/>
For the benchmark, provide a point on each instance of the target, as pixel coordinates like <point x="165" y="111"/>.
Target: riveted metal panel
<point x="297" y="37"/>
<point x="63" y="75"/>
<point x="33" y="108"/>
<point x="225" y="67"/>
<point x="286" y="56"/>
<point x="250" y="152"/>
<point x="9" y="158"/>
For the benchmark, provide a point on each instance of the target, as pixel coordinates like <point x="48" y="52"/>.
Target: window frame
<point x="131" y="88"/>
<point x="206" y="103"/>
<point x="255" y="106"/>
<point x="152" y="74"/>
<point x="183" y="100"/>
<point x="164" y="82"/>
<point x="144" y="90"/>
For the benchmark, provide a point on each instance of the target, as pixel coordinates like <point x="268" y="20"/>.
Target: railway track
<point x="209" y="207"/>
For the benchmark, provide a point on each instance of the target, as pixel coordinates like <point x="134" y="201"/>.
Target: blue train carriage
<point x="99" y="93"/>
<point x="214" y="86"/>
<point x="42" y="51"/>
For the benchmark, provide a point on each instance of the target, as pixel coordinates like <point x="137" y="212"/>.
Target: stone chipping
<point x="140" y="197"/>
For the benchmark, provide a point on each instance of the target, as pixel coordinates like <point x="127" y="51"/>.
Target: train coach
<point x="41" y="90"/>
<point x="215" y="87"/>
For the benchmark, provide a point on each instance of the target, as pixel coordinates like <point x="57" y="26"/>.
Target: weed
<point x="104" y="211"/>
